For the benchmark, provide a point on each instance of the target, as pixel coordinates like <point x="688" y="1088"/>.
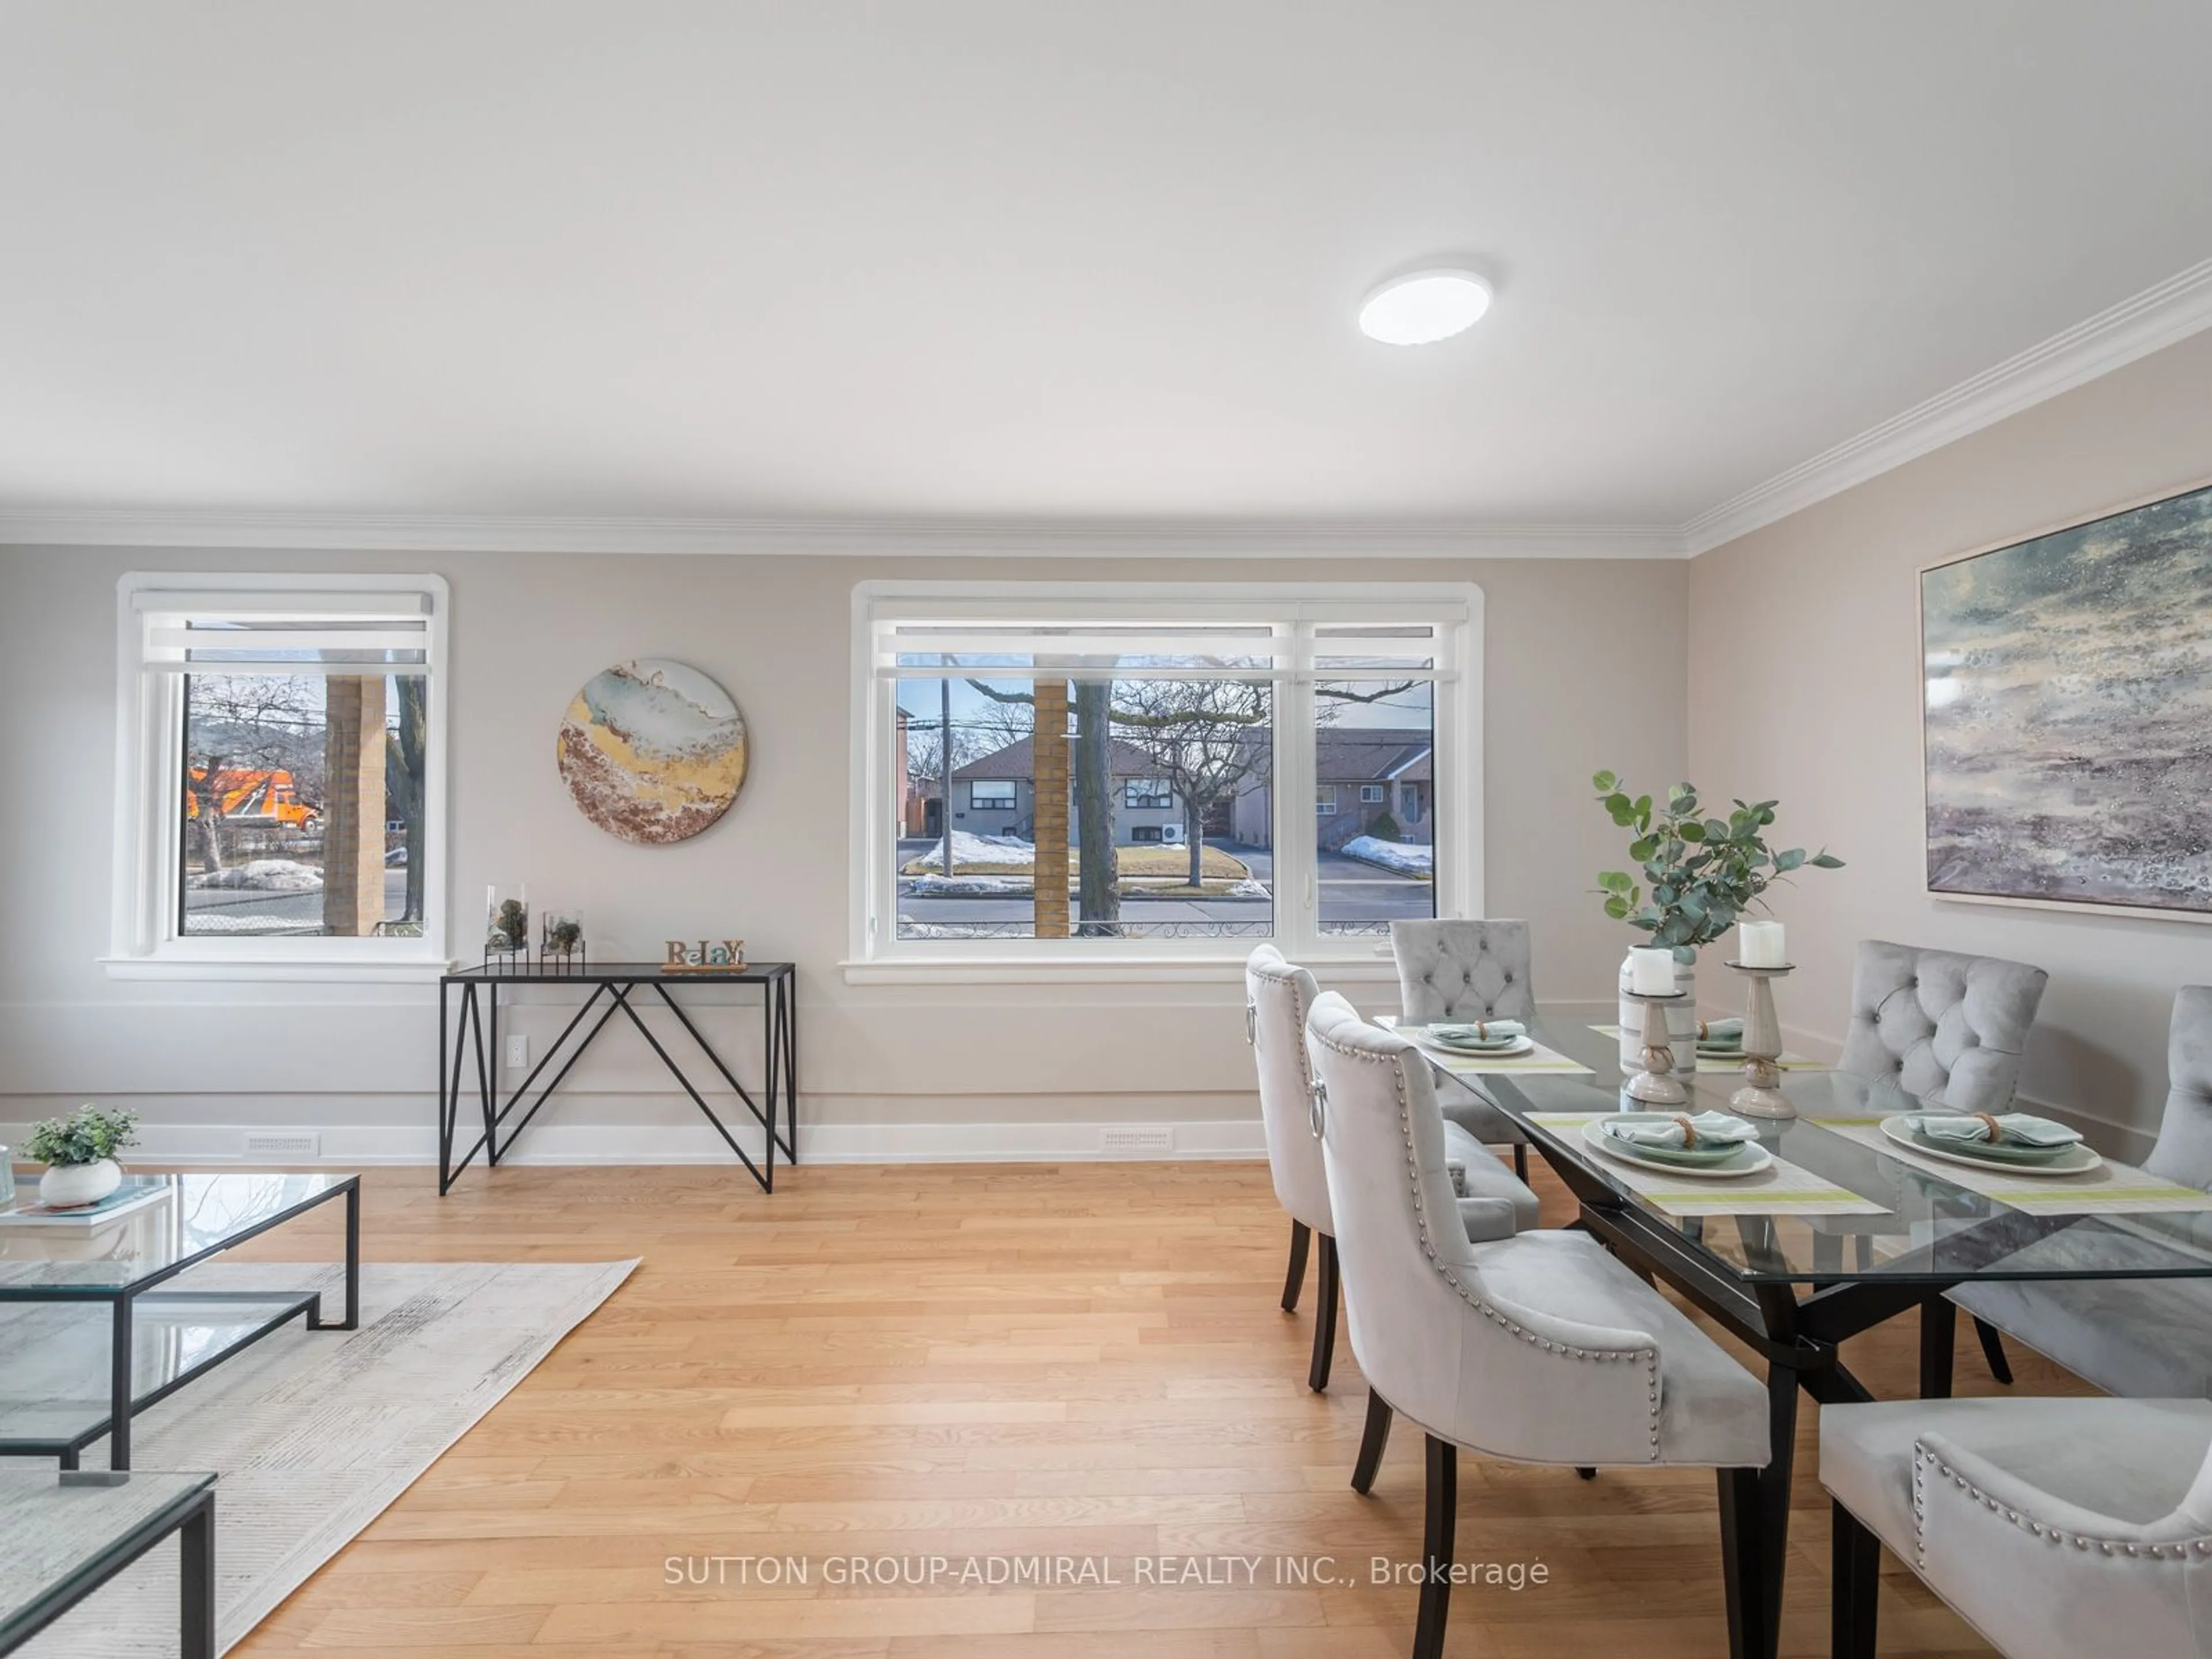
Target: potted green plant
<point x="1700" y="873"/>
<point x="79" y="1152"/>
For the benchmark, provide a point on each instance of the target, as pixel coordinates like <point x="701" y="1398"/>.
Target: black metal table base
<point x="192" y="1519"/>
<point x="1800" y="1338"/>
<point x="122" y="1402"/>
<point x="468" y="1038"/>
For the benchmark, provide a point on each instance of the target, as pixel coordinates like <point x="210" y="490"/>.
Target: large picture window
<point x="283" y="775"/>
<point x="1141" y="764"/>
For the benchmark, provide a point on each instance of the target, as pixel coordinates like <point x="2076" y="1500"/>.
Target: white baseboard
<point x="363" y="1145"/>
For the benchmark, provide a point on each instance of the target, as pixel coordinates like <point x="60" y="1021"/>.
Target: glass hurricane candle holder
<point x="506" y="923"/>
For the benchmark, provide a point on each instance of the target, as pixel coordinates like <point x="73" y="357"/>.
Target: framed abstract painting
<point x="2066" y="715"/>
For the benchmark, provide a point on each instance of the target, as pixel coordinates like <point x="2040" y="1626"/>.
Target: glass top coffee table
<point x="99" y="1342"/>
<point x="63" y="1535"/>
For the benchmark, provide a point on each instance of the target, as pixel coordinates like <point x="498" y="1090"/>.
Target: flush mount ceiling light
<point x="1424" y="307"/>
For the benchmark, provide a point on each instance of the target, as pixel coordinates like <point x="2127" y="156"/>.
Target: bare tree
<point x="245" y="722"/>
<point x="404" y="774"/>
<point x="1204" y="736"/>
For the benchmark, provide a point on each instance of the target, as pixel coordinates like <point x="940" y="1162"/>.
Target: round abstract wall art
<point x="653" y="751"/>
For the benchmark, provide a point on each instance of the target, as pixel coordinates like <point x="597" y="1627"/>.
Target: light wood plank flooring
<point x="1082" y="1360"/>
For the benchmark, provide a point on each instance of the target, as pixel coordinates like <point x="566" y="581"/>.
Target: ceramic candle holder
<point x="1656" y="1083"/>
<point x="1761" y="1095"/>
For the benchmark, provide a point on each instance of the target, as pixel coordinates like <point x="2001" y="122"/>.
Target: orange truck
<point x="264" y="797"/>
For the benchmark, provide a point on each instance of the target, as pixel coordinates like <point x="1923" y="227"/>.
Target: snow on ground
<point x="264" y="876"/>
<point x="963" y="886"/>
<point x="1249" y="888"/>
<point x="1405" y="858"/>
<point x="968" y="848"/>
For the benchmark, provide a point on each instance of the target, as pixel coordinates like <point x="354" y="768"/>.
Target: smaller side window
<point x="1370" y="794"/>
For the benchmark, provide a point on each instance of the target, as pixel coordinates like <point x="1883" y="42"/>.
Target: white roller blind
<point x="278" y="632"/>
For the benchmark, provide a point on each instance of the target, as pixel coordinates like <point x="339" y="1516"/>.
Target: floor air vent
<point x="1136" y="1140"/>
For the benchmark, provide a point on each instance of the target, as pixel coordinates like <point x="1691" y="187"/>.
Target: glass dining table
<point x="1857" y="1231"/>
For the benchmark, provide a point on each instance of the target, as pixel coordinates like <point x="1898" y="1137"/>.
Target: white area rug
<point x="315" y="1432"/>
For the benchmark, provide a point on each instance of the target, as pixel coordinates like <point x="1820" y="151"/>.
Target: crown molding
<point x="832" y="538"/>
<point x="2148" y="321"/>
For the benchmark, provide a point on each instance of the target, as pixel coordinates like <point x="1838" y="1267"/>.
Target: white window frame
<point x="1370" y="794"/>
<point x="144" y="941"/>
<point x="1012" y="804"/>
<point x="876" y="955"/>
<point x="1324" y="800"/>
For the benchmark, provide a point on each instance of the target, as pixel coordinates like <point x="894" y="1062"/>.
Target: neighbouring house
<point x="994" y="795"/>
<point x="1362" y="775"/>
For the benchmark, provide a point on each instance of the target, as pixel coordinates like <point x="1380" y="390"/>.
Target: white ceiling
<point x="1014" y="259"/>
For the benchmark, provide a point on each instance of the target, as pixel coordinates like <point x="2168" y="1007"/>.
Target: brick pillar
<point x="353" y="805"/>
<point x="1049" y="788"/>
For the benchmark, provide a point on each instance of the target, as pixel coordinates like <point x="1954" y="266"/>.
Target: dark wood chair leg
<point x="1372" y="1440"/>
<point x="1325" y="1294"/>
<point x="1855" y="1595"/>
<point x="1939" y="1336"/>
<point x="1294" y="1281"/>
<point x="1436" y="1547"/>
<point x="1993" y="1351"/>
<point x="1520" y="1160"/>
<point x="1743" y="1566"/>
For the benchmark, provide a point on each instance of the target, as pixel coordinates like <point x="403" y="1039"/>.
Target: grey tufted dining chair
<point x="1946" y="1027"/>
<point x="1454" y="969"/>
<point x="1279" y="995"/>
<point x="1539" y="1348"/>
<point x="2144" y="1339"/>
<point x="2055" y="1528"/>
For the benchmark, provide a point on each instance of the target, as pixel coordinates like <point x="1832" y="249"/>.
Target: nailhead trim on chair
<point x="1923" y="1460"/>
<point x="1648" y="1356"/>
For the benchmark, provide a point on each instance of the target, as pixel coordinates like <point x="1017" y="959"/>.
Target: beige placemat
<point x="2110" y="1189"/>
<point x="1789" y="1062"/>
<point x="1783" y="1188"/>
<point x="1539" y="1059"/>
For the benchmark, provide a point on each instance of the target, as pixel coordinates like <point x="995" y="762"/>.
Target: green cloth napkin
<point x="1969" y="1128"/>
<point x="1470" y="1034"/>
<point x="1714" y="1129"/>
<point x="1720" y="1034"/>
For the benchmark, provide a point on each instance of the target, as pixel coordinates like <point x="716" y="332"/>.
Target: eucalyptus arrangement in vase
<point x="1700" y="872"/>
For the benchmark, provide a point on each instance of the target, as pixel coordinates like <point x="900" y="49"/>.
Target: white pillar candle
<point x="1651" y="971"/>
<point x="1758" y="945"/>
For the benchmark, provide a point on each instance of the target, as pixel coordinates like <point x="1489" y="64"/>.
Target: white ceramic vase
<point x="1682" y="1022"/>
<point x="64" y="1186"/>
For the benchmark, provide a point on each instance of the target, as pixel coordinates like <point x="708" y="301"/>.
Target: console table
<point x="468" y="1034"/>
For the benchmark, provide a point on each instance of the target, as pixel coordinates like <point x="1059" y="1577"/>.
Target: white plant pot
<point x="66" y="1185"/>
<point x="1682" y="1023"/>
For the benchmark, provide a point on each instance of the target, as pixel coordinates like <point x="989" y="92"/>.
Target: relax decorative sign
<point x="703" y="956"/>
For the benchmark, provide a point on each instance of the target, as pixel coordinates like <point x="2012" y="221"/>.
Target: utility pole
<point x="945" y="768"/>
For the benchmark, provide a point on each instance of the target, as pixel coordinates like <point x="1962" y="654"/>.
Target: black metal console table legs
<point x="468" y="1038"/>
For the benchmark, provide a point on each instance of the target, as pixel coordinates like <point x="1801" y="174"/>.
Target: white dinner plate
<point x="1594" y="1132"/>
<point x="1524" y="1046"/>
<point x="2080" y="1159"/>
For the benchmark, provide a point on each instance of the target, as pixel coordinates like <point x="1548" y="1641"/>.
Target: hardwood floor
<point x="903" y="1361"/>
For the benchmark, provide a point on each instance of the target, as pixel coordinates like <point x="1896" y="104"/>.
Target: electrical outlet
<point x="1136" y="1140"/>
<point x="518" y="1052"/>
<point x="283" y="1144"/>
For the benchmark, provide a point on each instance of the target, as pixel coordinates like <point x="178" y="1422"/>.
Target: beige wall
<point x="1804" y="685"/>
<point x="1572" y="650"/>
